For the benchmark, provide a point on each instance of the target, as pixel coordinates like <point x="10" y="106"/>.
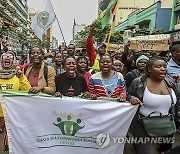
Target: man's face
<point x="137" y="53"/>
<point x="176" y="56"/>
<point x="102" y="50"/>
<point x="71" y="50"/>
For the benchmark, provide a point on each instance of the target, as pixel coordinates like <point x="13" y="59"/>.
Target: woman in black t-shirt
<point x="70" y="83"/>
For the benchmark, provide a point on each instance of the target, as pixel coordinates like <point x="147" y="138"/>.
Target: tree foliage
<point x="99" y="35"/>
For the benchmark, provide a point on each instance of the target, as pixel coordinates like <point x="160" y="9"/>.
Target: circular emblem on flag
<point x="42" y="19"/>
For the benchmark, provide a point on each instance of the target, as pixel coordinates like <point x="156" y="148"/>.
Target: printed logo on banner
<point x="70" y="127"/>
<point x="42" y="19"/>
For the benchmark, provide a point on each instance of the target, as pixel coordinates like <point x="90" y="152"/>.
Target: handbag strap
<point x="171" y="110"/>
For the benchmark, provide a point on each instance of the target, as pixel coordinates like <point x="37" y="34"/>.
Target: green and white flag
<point x="43" y="19"/>
<point x="50" y="125"/>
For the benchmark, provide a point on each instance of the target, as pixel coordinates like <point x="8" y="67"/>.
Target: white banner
<point x="43" y="19"/>
<point x="49" y="125"/>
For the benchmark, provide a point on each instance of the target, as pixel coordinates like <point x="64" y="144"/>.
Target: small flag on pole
<point x="43" y="19"/>
<point x="107" y="13"/>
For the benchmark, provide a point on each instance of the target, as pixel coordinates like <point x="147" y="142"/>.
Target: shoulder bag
<point x="162" y="125"/>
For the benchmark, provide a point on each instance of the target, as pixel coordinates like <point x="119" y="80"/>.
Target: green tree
<point x="116" y="38"/>
<point x="99" y="35"/>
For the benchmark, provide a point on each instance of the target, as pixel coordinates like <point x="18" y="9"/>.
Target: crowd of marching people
<point x="143" y="78"/>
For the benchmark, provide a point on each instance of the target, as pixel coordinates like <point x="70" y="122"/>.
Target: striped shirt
<point x="97" y="87"/>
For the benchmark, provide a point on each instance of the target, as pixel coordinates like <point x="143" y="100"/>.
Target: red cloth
<point x="90" y="50"/>
<point x="113" y="9"/>
<point x="87" y="76"/>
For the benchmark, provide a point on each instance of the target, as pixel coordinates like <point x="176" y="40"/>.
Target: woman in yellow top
<point x="11" y="78"/>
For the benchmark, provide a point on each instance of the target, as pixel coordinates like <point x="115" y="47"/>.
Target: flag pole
<point x="59" y="25"/>
<point x="60" y="29"/>
<point x="112" y="24"/>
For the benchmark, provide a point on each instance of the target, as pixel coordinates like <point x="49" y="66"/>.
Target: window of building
<point x="178" y="17"/>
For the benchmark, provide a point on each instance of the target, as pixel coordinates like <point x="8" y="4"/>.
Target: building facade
<point x="77" y="28"/>
<point x="175" y="18"/>
<point x="127" y="7"/>
<point x="152" y="18"/>
<point x="13" y="24"/>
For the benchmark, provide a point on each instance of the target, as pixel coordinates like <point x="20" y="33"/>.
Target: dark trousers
<point x="138" y="131"/>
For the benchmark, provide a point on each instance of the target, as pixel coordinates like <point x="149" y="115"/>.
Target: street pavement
<point x="129" y="149"/>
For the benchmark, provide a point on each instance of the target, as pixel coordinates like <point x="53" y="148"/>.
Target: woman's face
<point x="7" y="60"/>
<point x="158" y="70"/>
<point x="58" y="59"/>
<point x="36" y="57"/>
<point x="141" y="65"/>
<point x="82" y="65"/>
<point x="117" y="65"/>
<point x="106" y="64"/>
<point x="70" y="67"/>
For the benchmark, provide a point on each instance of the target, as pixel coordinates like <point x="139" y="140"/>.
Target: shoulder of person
<point x="119" y="75"/>
<point x="131" y="72"/>
<point x="50" y="67"/>
<point x="139" y="80"/>
<point x="170" y="82"/>
<point x="97" y="75"/>
<point x="61" y="75"/>
<point x="80" y="75"/>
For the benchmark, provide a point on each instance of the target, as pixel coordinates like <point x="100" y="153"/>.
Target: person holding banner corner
<point x="11" y="78"/>
<point x="154" y="92"/>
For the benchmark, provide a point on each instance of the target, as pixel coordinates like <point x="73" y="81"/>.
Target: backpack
<point x="45" y="72"/>
<point x="136" y="73"/>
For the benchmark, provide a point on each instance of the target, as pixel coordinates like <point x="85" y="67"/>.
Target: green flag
<point x="106" y="16"/>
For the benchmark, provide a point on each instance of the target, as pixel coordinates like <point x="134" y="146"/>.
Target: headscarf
<point x="7" y="72"/>
<point x="142" y="57"/>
